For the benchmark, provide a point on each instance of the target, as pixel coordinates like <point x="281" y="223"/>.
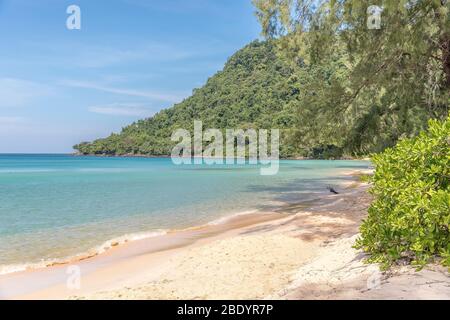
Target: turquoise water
<point x="55" y="206"/>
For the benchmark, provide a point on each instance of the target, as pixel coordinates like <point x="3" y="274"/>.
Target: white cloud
<point x="160" y="96"/>
<point x="17" y="92"/>
<point x="122" y="109"/>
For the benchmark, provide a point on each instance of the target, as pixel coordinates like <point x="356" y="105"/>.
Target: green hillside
<point x="259" y="87"/>
<point x="255" y="89"/>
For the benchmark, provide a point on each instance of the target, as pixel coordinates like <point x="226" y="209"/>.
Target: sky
<point x="130" y="59"/>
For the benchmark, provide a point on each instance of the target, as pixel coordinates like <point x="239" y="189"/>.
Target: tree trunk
<point x="445" y="47"/>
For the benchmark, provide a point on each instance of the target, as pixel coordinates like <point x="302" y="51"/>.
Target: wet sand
<point x="120" y="263"/>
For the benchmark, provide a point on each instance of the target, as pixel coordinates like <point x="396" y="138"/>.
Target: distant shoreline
<point x="166" y="156"/>
<point x="76" y="154"/>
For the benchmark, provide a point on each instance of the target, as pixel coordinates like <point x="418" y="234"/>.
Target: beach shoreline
<point x="117" y="242"/>
<point x="121" y="240"/>
<point x="61" y="209"/>
<point x="154" y="250"/>
<point x="216" y="229"/>
<point x="300" y="251"/>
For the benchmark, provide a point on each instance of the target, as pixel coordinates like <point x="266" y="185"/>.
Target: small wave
<point x="227" y="218"/>
<point x="105" y="246"/>
<point x="103" y="170"/>
<point x="27" y="170"/>
<point x="14" y="268"/>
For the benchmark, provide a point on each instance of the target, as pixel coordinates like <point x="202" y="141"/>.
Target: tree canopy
<point x="333" y="84"/>
<point x="371" y="85"/>
<point x="374" y="75"/>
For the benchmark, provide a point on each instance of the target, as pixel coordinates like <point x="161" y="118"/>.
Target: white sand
<point x="240" y="267"/>
<point x="338" y="272"/>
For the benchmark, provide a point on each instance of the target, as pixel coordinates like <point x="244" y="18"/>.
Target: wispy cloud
<point x="177" y="6"/>
<point x="88" y="55"/>
<point x="8" y="121"/>
<point x="123" y="109"/>
<point x="160" y="96"/>
<point x="17" y="92"/>
<point x="93" y="56"/>
<point x="12" y="125"/>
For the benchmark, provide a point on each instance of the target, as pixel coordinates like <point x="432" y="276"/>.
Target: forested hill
<point x="255" y="89"/>
<point x="259" y="88"/>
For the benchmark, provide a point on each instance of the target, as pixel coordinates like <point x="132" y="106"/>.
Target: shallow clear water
<point x="54" y="206"/>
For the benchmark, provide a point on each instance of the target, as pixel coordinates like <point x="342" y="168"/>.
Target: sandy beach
<point x="297" y="251"/>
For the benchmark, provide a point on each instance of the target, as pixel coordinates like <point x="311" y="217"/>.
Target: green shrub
<point x="410" y="215"/>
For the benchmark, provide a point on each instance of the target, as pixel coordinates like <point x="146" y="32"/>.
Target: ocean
<point x="58" y="206"/>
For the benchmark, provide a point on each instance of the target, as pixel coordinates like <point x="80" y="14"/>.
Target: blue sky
<point x="130" y="59"/>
